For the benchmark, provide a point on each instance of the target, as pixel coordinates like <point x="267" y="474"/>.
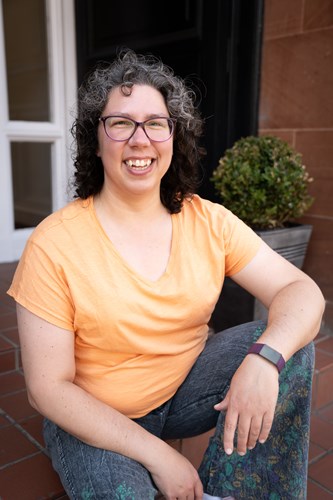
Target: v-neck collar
<point x="126" y="266"/>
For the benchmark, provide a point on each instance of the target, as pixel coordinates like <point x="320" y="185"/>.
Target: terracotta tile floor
<point x="25" y="470"/>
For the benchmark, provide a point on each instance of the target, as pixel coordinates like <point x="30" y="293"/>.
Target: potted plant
<point x="263" y="181"/>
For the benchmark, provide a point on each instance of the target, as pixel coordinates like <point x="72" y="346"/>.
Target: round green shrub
<point x="262" y="180"/>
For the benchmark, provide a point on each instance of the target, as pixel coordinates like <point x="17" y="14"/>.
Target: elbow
<point x="39" y="397"/>
<point x="321" y="305"/>
<point x="321" y="301"/>
<point x="32" y="402"/>
<point x="34" y="399"/>
<point x="44" y="395"/>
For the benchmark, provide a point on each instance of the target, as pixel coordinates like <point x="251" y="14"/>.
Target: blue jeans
<point x="274" y="470"/>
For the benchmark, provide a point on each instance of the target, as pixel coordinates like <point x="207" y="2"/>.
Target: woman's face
<point x="137" y="165"/>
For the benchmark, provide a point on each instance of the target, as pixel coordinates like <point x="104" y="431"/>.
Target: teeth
<point x="139" y="163"/>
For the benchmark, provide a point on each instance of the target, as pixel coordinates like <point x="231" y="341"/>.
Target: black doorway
<point x="215" y="44"/>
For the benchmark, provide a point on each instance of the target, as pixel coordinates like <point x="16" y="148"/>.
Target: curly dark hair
<point x="182" y="178"/>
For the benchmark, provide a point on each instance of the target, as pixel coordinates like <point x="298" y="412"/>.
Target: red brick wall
<point x="296" y="104"/>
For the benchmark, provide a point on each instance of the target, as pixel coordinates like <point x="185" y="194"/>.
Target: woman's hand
<point x="250" y="404"/>
<point x="175" y="476"/>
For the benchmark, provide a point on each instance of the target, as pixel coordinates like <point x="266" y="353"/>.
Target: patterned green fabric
<point x="277" y="469"/>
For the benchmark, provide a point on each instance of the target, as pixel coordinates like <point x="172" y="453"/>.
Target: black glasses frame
<point x="171" y="122"/>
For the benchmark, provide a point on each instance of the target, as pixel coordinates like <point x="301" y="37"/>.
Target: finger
<point x="198" y="491"/>
<point x="189" y="496"/>
<point x="243" y="430"/>
<point x="266" y="427"/>
<point x="230" y="426"/>
<point x="223" y="405"/>
<point x="255" y="429"/>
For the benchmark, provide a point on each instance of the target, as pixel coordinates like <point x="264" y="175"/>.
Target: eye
<point x="118" y="122"/>
<point x="157" y="123"/>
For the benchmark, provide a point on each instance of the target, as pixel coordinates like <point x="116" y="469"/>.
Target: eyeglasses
<point x="120" y="128"/>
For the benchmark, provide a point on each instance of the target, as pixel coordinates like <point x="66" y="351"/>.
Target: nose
<point x="140" y="136"/>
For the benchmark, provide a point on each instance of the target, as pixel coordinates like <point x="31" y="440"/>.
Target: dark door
<point x="215" y="44"/>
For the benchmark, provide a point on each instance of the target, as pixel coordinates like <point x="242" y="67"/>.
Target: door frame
<point x="60" y="24"/>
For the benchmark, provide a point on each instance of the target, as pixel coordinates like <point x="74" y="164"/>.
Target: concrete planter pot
<point x="235" y="305"/>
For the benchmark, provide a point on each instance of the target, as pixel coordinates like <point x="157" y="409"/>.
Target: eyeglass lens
<point x="119" y="128"/>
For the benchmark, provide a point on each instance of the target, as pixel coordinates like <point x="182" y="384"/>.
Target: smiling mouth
<point x="138" y="164"/>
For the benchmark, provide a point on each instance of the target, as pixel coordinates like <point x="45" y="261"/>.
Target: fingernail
<point x="241" y="453"/>
<point x="262" y="441"/>
<point x="228" y="451"/>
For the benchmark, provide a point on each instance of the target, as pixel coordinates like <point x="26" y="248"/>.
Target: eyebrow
<point x="127" y="115"/>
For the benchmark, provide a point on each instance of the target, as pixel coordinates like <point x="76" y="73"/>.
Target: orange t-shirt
<point x="135" y="340"/>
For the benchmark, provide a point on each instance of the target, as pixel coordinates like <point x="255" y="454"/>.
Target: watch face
<point x="270" y="354"/>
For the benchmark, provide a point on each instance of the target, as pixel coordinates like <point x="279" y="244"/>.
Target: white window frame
<point x="60" y="21"/>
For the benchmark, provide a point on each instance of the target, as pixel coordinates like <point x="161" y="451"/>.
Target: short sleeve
<point x="39" y="285"/>
<point x="241" y="244"/>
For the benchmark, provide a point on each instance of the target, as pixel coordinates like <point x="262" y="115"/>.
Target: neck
<point x="148" y="207"/>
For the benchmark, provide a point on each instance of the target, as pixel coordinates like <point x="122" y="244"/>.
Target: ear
<point x="98" y="153"/>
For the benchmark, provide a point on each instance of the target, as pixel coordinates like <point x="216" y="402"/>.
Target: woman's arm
<point x="294" y="301"/>
<point x="49" y="368"/>
<point x="296" y="306"/>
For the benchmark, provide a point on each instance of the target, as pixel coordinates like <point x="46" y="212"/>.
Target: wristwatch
<point x="268" y="353"/>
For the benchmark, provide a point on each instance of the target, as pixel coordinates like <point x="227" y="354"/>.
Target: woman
<point x="114" y="294"/>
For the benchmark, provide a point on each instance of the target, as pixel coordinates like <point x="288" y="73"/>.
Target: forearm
<point x="96" y="423"/>
<point x="294" y="318"/>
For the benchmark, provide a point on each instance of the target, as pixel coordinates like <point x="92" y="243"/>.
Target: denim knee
<point x="91" y="473"/>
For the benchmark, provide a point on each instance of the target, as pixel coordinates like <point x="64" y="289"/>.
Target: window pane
<point x="31" y="171"/>
<point x="26" y="58"/>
